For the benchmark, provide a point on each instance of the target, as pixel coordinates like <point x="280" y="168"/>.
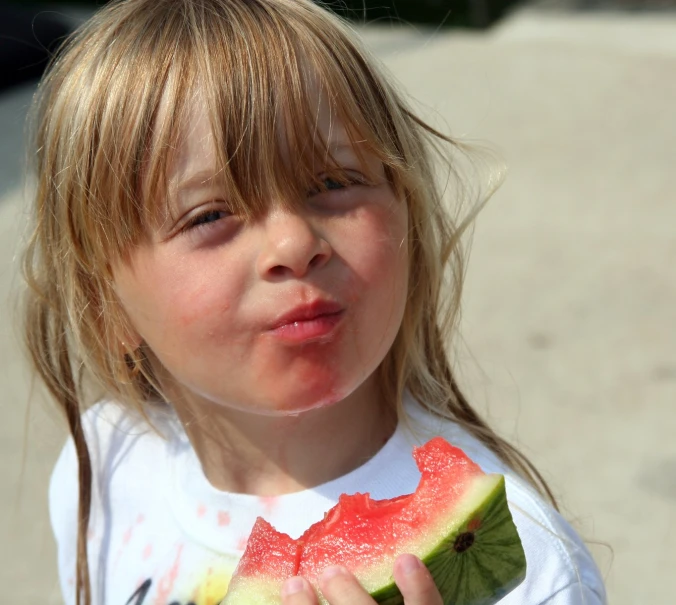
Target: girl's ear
<point x="122" y="336"/>
<point x="131" y="342"/>
<point x="128" y="338"/>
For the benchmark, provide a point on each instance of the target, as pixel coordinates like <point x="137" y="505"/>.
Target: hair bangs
<point x="265" y="79"/>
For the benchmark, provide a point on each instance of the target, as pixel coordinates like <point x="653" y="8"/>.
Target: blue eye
<point x="335" y="184"/>
<point x="207" y="218"/>
<point x="331" y="184"/>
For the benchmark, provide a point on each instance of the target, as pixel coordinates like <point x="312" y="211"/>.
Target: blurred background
<point x="569" y="322"/>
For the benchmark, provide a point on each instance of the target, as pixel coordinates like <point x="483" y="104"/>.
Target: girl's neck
<point x="266" y="455"/>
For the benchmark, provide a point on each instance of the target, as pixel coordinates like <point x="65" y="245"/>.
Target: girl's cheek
<point x="198" y="296"/>
<point x="198" y="310"/>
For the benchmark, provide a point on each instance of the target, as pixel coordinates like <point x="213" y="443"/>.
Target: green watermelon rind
<point x="497" y="554"/>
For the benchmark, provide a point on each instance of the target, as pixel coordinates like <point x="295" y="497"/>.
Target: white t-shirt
<point x="161" y="534"/>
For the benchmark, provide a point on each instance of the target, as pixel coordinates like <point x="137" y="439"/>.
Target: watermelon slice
<point x="457" y="522"/>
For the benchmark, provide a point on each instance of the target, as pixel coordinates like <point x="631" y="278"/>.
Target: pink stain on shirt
<point x="223" y="518"/>
<point x="167" y="581"/>
<point x="269" y="503"/>
<point x="126" y="538"/>
<point x="201" y="510"/>
<point x="125" y="542"/>
<point x="147" y="551"/>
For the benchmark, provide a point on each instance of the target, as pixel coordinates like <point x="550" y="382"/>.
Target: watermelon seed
<point x="463" y="541"/>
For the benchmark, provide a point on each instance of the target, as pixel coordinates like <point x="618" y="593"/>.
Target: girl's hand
<point x="340" y="587"/>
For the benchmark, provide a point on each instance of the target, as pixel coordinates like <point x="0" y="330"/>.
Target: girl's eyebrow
<point x="205" y="179"/>
<point x="339" y="145"/>
<point x="198" y="180"/>
<point x="344" y="145"/>
<point x="346" y="150"/>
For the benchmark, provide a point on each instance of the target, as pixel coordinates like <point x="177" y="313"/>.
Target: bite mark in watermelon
<point x="457" y="522"/>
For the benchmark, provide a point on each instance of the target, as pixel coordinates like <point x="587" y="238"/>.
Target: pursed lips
<point x="308" y="312"/>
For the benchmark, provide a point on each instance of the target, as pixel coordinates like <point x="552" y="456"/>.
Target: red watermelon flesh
<point x="269" y="553"/>
<point x="370" y="532"/>
<point x="454" y="499"/>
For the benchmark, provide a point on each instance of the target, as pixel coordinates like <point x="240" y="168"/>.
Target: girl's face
<point x="289" y="312"/>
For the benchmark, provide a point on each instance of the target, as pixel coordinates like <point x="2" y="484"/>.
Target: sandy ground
<point x="570" y="309"/>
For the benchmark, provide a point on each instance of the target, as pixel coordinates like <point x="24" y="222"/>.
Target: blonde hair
<point x="100" y="147"/>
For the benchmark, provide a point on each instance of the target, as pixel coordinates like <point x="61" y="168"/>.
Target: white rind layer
<point x="253" y="591"/>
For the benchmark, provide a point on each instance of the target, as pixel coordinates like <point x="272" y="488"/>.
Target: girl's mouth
<point x="308" y="323"/>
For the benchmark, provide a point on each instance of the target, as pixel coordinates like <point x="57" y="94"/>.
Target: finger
<point x="340" y="587"/>
<point x="297" y="591"/>
<point x="415" y="582"/>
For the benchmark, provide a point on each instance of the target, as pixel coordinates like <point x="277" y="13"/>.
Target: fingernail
<point x="333" y="571"/>
<point x="409" y="564"/>
<point x="293" y="586"/>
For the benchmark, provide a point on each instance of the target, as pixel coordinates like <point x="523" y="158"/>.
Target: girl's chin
<point x="291" y="401"/>
<point x="294" y="403"/>
<point x="295" y="407"/>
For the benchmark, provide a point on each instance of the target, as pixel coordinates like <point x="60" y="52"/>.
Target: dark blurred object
<point x="626" y="6"/>
<point x="28" y="37"/>
<point x="463" y="13"/>
<point x="31" y="32"/>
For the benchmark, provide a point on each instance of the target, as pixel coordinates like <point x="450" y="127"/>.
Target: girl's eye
<point x="206" y="218"/>
<point x="333" y="184"/>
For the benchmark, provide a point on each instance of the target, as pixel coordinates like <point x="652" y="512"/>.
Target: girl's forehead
<point x="194" y="162"/>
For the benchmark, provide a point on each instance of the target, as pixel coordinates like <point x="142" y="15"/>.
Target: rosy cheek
<point x="195" y="312"/>
<point x="200" y="304"/>
<point x="382" y="242"/>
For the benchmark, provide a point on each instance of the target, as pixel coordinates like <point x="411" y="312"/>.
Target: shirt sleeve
<point x="561" y="570"/>
<point x="63" y="504"/>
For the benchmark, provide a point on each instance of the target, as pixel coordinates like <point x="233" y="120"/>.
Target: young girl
<point x="236" y="295"/>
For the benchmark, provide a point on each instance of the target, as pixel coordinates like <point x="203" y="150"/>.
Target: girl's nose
<point x="292" y="245"/>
